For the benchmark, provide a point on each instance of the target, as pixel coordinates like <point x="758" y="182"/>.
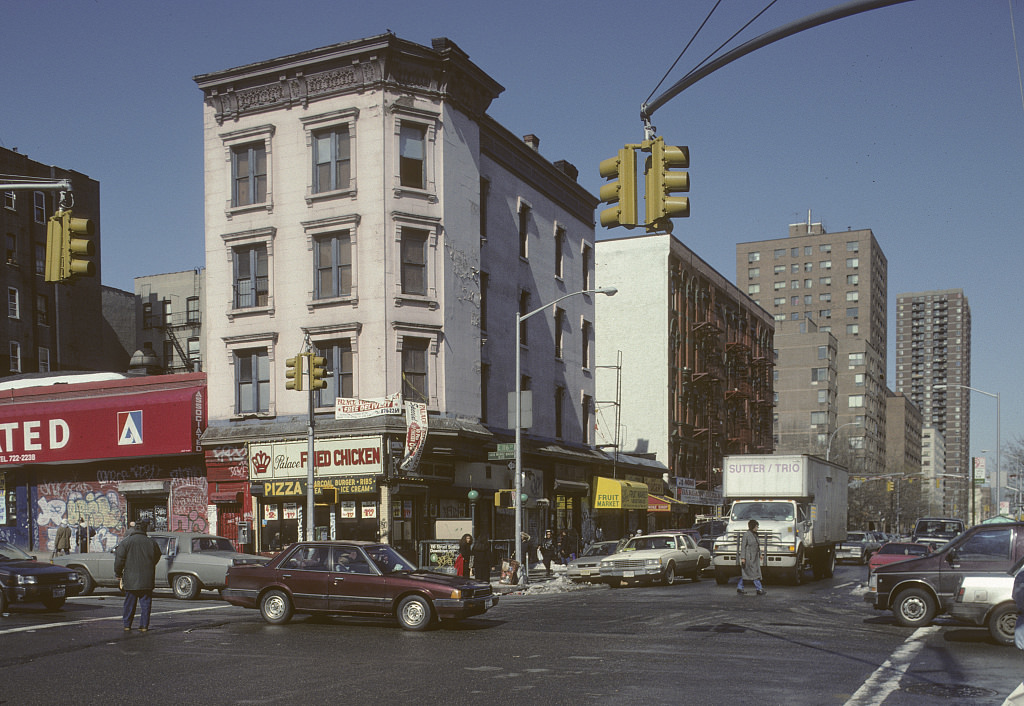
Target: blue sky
<point x="906" y="120"/>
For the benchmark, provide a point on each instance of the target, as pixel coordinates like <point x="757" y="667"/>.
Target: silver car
<point x="987" y="601"/>
<point x="189" y="563"/>
<point x="655" y="557"/>
<point x="587" y="566"/>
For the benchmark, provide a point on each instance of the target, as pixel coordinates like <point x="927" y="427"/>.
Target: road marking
<point x="46" y="626"/>
<point x="886" y="679"/>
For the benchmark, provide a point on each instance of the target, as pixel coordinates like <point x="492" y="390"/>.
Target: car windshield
<point x="653" y="542"/>
<point x="777" y="512"/>
<point x="854" y="536"/>
<point x="9" y="552"/>
<point x="939" y="528"/>
<point x="388" y="560"/>
<point x="600" y="549"/>
<point x="211" y="544"/>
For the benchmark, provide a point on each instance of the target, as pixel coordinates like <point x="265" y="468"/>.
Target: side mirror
<point x="952" y="556"/>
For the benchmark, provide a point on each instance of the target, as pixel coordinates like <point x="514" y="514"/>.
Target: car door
<point x="168" y="548"/>
<point x="986" y="551"/>
<point x="688" y="554"/>
<point x="306" y="573"/>
<point x="356" y="585"/>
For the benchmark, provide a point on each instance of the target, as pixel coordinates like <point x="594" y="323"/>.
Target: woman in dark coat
<point x="483" y="559"/>
<point x="465" y="551"/>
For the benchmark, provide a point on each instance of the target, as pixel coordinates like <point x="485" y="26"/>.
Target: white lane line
<point x="46" y="626"/>
<point x="886" y="679"/>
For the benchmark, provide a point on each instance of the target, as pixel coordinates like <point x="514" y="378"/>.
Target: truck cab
<point x="784" y="530"/>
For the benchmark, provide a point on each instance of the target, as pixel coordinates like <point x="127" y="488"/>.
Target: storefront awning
<point x="614" y="494"/>
<point x="662" y="503"/>
<point x="571" y="487"/>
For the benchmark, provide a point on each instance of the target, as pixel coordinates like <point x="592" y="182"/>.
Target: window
<point x="781" y="252"/>
<point x="856" y="359"/>
<point x="825" y="265"/>
<point x="753" y="288"/>
<point x="194" y="353"/>
<point x="779" y="301"/>
<point x="794" y="252"/>
<point x="251" y="276"/>
<point x="332" y="160"/>
<point x="559" y="412"/>
<point x="822" y="352"/>
<point x="147" y="315"/>
<point x="853" y="246"/>
<point x="340" y="371"/>
<point x="13" y="303"/>
<point x="808" y="299"/>
<point x="249" y="171"/>
<point x="824" y="313"/>
<point x="753" y="256"/>
<point x="9" y="200"/>
<point x="779" y="269"/>
<point x="333" y="266"/>
<point x="15" y="357"/>
<point x="586" y="410"/>
<point x="856" y="401"/>
<point x="42" y="310"/>
<point x="12" y="249"/>
<point x="753" y="272"/>
<point x="808" y="283"/>
<point x="851" y="312"/>
<point x="524" y="309"/>
<point x="412" y="139"/>
<point x="819" y="418"/>
<point x="853" y="329"/>
<point x="825" y="247"/>
<point x="779" y="285"/>
<point x="44" y="360"/>
<point x="825" y="281"/>
<point x="414" y="369"/>
<point x="794" y="284"/>
<point x="819" y="374"/>
<point x="414" y="261"/>
<point x="794" y="268"/>
<point x="852" y="279"/>
<point x="559" y="247"/>
<point x="168" y="355"/>
<point x="485" y="193"/>
<point x="853" y="262"/>
<point x="39" y="207"/>
<point x="586" y="333"/>
<point x="794" y="301"/>
<point x="853" y="296"/>
<point x="858" y="379"/>
<point x="825" y="297"/>
<point x="822" y="396"/>
<point x="252" y="381"/>
<point x="524" y="230"/>
<point x="559" y="331"/>
<point x="165" y="307"/>
<point x="808" y="267"/>
<point x="40" y="259"/>
<point x="192" y="310"/>
<point x="588" y="256"/>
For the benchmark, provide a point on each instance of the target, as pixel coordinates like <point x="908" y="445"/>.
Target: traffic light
<point x="660" y="181"/>
<point x="889" y="485"/>
<point x="68" y="244"/>
<point x="505" y="498"/>
<point x="620" y="193"/>
<point x="317" y="372"/>
<point x="294" y="372"/>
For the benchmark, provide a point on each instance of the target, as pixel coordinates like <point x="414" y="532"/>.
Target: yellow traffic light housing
<point x="68" y="244"/>
<point x="622" y="192"/>
<point x="660" y="181"/>
<point x="317" y="372"/>
<point x="294" y="372"/>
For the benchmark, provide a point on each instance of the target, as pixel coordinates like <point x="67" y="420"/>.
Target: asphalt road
<point x="814" y="644"/>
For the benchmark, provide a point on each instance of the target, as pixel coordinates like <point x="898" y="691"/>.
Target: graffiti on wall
<point x="97" y="503"/>
<point x="188" y="505"/>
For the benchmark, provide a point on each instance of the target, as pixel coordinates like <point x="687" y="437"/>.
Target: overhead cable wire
<point x="1013" y="31"/>
<point x="684" y="50"/>
<point x="735" y="34"/>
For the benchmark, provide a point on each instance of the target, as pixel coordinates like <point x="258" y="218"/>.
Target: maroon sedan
<point x="897" y="551"/>
<point x="354" y="578"/>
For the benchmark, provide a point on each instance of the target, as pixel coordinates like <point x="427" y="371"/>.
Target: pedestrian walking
<point x="750" y="559"/>
<point x="135" y="564"/>
<point x="483" y="559"/>
<point x="548" y="549"/>
<point x="85" y="533"/>
<point x="62" y="540"/>
<point x="462" y="561"/>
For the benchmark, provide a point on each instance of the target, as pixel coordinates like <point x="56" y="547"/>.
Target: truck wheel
<point x="1002" y="623"/>
<point x="830" y="563"/>
<point x="721" y="578"/>
<point x="914" y="608"/>
<point x="796" y="577"/>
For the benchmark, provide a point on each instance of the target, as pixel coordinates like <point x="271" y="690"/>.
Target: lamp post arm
<point x="610" y="291"/>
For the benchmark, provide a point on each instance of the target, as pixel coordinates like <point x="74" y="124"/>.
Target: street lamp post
<point x="828" y="449"/>
<point x="999" y="446"/>
<point x="520" y="317"/>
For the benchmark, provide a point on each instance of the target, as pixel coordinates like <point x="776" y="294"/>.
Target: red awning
<point x="657" y="504"/>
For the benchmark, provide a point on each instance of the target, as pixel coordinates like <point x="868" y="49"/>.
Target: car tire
<point x="414" y="613"/>
<point x="276" y="607"/>
<point x="1002" y="623"/>
<point x="53" y="603"/>
<point x="914" y="608"/>
<point x="88" y="582"/>
<point x="186" y="586"/>
<point x="669" y="577"/>
<point x="3" y="601"/>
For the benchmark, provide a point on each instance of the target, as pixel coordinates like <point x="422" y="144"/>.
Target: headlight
<point x="653" y="562"/>
<point x="27" y="579"/>
<point x="457" y="593"/>
<point x="73" y="577"/>
<point x="606" y="564"/>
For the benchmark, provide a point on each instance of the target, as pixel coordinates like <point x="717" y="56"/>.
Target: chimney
<point x="533" y="141"/>
<point x="568" y="169"/>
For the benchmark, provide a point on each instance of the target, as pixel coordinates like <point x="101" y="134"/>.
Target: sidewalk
<point x="537" y="577"/>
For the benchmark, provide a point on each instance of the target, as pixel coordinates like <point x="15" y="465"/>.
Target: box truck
<point x="799" y="502"/>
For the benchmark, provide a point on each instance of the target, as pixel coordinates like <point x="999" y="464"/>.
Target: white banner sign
<point x="415" y="435"/>
<point x="351" y="408"/>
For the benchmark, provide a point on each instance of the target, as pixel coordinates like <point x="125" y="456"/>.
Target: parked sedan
<point x="355" y="578"/>
<point x="587" y="566"/>
<point x="25" y="580"/>
<point x="987" y="601"/>
<point x="857" y="547"/>
<point x="189" y="563"/>
<point x="655" y="557"/>
<point x="891" y="552"/>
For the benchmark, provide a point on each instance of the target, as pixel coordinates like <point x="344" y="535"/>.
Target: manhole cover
<point x="949" y="691"/>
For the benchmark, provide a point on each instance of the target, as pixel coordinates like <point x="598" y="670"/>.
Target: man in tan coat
<point x="750" y="559"/>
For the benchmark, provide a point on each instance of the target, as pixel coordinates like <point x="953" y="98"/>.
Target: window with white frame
<point x="44" y="360"/>
<point x="10" y="202"/>
<point x="415" y="366"/>
<point x="587" y="260"/>
<point x="13" y="303"/>
<point x="856" y="359"/>
<point x="249" y="174"/>
<point x="333" y="253"/>
<point x="252" y="381"/>
<point x="340" y="368"/>
<point x="853" y="296"/>
<point x="586" y="331"/>
<point x="15" y="357"/>
<point x="856" y="401"/>
<point x="332" y="159"/>
<point x="524" y="229"/>
<point x="251" y="276"/>
<point x="194" y="352"/>
<point x="413" y="247"/>
<point x="412" y="155"/>
<point x="818" y="418"/>
<point x="559" y="251"/>
<point x="39" y="207"/>
<point x="192" y="310"/>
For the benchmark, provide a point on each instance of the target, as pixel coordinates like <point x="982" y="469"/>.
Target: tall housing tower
<point x="826" y="283"/>
<point x="933" y="348"/>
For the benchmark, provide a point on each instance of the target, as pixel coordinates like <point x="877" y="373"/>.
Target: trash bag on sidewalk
<point x="510" y="572"/>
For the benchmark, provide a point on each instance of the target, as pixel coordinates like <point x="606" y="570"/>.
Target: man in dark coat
<point x="750" y="559"/>
<point x="135" y="564"/>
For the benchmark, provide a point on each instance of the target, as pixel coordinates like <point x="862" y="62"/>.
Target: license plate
<point x="628" y="574"/>
<point x="584" y="572"/>
<point x="58" y="591"/>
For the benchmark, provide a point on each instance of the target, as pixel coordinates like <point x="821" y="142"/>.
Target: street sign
<point x="507" y="448"/>
<point x="500" y="455"/>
